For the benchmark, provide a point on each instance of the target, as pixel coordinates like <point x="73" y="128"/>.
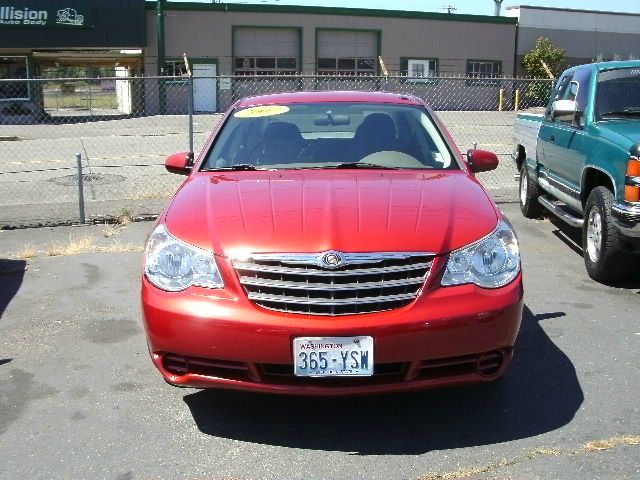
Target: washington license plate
<point x="333" y="356"/>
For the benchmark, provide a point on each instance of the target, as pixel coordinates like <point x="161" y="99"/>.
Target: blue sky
<point x="477" y="7"/>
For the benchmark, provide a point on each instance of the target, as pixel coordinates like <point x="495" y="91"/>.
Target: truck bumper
<point x="626" y="219"/>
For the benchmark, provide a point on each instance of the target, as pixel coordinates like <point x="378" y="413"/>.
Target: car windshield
<point x="329" y="135"/>
<point x="618" y="94"/>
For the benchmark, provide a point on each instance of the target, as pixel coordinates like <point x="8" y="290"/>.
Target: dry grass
<point x="469" y="472"/>
<point x="125" y="217"/>
<point x="118" y="247"/>
<point x="26" y="253"/>
<point x="608" y="444"/>
<point x="543" y="451"/>
<point x="86" y="245"/>
<point x="73" y="247"/>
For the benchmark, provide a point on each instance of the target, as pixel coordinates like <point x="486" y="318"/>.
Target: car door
<point x="566" y="146"/>
<point x="547" y="151"/>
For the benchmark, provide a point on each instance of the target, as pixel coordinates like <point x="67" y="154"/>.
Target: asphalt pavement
<point x="79" y="397"/>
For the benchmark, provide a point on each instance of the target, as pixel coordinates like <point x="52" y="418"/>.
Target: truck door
<point x="564" y="141"/>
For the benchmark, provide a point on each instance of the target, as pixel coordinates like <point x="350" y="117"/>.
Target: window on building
<point x="347" y="52"/>
<point x="265" y="51"/>
<point x="483" y="69"/>
<point x="175" y="68"/>
<point x="14" y="67"/>
<point x="423" y="70"/>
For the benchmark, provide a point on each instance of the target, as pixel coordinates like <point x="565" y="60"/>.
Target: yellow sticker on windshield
<point x="264" y="111"/>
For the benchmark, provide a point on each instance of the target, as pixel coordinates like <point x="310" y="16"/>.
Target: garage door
<point x="265" y="51"/>
<point x="347" y="52"/>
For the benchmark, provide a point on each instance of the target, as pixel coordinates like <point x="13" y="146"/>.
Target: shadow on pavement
<point x="539" y="393"/>
<point x="11" y="275"/>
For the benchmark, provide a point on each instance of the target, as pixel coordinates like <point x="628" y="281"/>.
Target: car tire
<point x="529" y="193"/>
<point x="604" y="259"/>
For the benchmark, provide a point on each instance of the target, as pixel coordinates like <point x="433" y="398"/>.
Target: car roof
<point x="600" y="66"/>
<point x="330" y="96"/>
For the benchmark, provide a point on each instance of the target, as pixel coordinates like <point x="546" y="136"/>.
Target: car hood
<point x="630" y="129"/>
<point x="316" y="210"/>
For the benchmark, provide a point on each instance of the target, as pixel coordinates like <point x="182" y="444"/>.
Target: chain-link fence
<point x="124" y="128"/>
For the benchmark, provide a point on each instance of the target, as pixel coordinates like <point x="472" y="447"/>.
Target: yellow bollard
<point x="517" y="99"/>
<point x="501" y="98"/>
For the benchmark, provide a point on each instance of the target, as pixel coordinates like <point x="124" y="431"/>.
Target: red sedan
<point x="331" y="243"/>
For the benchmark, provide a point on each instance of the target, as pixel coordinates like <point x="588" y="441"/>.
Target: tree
<point x="556" y="60"/>
<point x="547" y="52"/>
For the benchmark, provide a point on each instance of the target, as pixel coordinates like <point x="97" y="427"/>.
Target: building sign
<point x="25" y="15"/>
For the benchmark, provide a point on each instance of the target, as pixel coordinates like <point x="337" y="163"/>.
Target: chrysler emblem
<point x="331" y="260"/>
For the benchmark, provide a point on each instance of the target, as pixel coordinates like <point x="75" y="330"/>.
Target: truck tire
<point x="529" y="194"/>
<point x="604" y="259"/>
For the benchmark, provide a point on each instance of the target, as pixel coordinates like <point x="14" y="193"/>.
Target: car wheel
<point x="529" y="194"/>
<point x="604" y="259"/>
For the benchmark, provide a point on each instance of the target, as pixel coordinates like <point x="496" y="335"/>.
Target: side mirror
<point x="564" y="110"/>
<point x="180" y="163"/>
<point x="481" y="160"/>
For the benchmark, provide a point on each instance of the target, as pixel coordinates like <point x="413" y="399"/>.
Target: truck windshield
<point x="618" y="94"/>
<point x="329" y="135"/>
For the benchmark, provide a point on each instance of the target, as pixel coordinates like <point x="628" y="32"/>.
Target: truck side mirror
<point x="564" y="110"/>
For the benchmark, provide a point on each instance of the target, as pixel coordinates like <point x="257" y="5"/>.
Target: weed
<point x="73" y="247"/>
<point x="125" y="217"/>
<point x="27" y="253"/>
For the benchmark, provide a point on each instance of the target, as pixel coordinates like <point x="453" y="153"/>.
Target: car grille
<point x="358" y="283"/>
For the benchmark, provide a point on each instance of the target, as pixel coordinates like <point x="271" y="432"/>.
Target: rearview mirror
<point x="330" y="120"/>
<point x="481" y="160"/>
<point x="564" y="110"/>
<point x="179" y="163"/>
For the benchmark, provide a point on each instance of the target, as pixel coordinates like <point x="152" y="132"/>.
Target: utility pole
<point x="498" y="7"/>
<point x="449" y="8"/>
<point x="162" y="94"/>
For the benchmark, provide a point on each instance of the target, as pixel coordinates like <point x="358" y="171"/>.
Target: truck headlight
<point x="173" y="265"/>
<point x="491" y="262"/>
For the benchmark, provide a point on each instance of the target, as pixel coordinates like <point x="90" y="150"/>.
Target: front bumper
<point x="626" y="219"/>
<point x="218" y="338"/>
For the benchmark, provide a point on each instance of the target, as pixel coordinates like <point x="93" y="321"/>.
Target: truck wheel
<point x="529" y="194"/>
<point x="603" y="257"/>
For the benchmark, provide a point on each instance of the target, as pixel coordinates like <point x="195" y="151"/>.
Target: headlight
<point x="491" y="262"/>
<point x="173" y="265"/>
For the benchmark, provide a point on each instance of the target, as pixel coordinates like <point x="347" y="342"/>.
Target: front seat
<point x="377" y="133"/>
<point x="282" y="143"/>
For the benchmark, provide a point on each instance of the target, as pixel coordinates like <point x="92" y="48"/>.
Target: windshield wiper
<point x="347" y="165"/>
<point x="237" y="166"/>
<point x="627" y="112"/>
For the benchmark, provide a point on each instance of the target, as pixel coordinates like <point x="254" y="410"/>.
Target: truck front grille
<point x="334" y="283"/>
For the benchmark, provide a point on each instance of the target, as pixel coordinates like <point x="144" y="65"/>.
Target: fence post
<point x="80" y="188"/>
<point x="517" y="99"/>
<point x="90" y="103"/>
<point x="501" y="99"/>
<point x="190" y="106"/>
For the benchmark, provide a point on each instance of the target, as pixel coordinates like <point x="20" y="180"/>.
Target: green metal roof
<point x="358" y="12"/>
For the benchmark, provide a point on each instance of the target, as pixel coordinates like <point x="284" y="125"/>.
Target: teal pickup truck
<point x="580" y="160"/>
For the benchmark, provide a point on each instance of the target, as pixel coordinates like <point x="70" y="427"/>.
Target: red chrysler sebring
<point x="331" y="243"/>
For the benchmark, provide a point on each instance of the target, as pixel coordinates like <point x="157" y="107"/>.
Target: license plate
<point x="333" y="356"/>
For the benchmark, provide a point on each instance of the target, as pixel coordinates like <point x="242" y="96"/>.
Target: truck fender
<point x="585" y="187"/>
